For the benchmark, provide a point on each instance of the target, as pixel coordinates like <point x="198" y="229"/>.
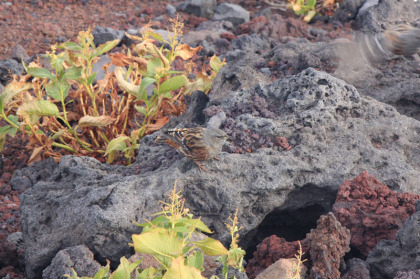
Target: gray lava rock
<point x="19" y="54"/>
<point x="375" y="16"/>
<point x="251" y="42"/>
<point x="16" y="239"/>
<point x="104" y="34"/>
<point x="231" y="12"/>
<point x="171" y="10"/>
<point x="408" y="274"/>
<point x="391" y="256"/>
<point x="200" y="8"/>
<point x="356" y="269"/>
<point x="334" y="133"/>
<point x="347" y="10"/>
<point x="9" y="67"/>
<point x="78" y="257"/>
<point x="24" y="178"/>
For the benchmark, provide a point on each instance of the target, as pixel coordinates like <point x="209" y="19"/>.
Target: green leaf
<point x="196" y="223"/>
<point x="196" y="260"/>
<point x="11" y="90"/>
<point x="158" y="242"/>
<point x="179" y="270"/>
<point x="156" y="36"/>
<point x="173" y="83"/>
<point x="309" y="16"/>
<point x="148" y="273"/>
<point x="124" y="270"/>
<point x="41" y="73"/>
<point x="160" y="220"/>
<point x="211" y="247"/>
<point x="141" y="109"/>
<point x="73" y="73"/>
<point x="146" y="81"/>
<point x="102" y="273"/>
<point x="235" y="257"/>
<point x="58" y="90"/>
<point x="117" y="144"/>
<point x="38" y="108"/>
<point x="58" y="64"/>
<point x="91" y="78"/>
<point x="215" y="63"/>
<point x="152" y="65"/>
<point x="105" y="48"/>
<point x="71" y="46"/>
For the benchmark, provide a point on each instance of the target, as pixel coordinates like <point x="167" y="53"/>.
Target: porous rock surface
<point x="334" y="133"/>
<point x="271" y="250"/>
<point x="400" y="255"/>
<point x="371" y="211"/>
<point x="328" y="243"/>
<point x="80" y="258"/>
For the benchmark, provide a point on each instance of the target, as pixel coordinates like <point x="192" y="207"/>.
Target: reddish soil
<point x="35" y="25"/>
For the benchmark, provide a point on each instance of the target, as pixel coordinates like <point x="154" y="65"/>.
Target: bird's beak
<point x="228" y="138"/>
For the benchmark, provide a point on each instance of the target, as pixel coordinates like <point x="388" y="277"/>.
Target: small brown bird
<point x="402" y="39"/>
<point x="198" y="144"/>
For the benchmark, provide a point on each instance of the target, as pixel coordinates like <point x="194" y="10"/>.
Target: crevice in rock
<point x="294" y="219"/>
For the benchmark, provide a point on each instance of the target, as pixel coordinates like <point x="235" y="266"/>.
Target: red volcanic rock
<point x="270" y="250"/>
<point x="328" y="243"/>
<point x="371" y="210"/>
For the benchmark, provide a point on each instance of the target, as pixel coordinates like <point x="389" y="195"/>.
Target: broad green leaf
<point x="211" y="247"/>
<point x="158" y="242"/>
<point x="152" y="65"/>
<point x="102" y="273"/>
<point x="197" y="223"/>
<point x="179" y="270"/>
<point x="125" y="85"/>
<point x="141" y="109"/>
<point x="156" y="36"/>
<point x="11" y="90"/>
<point x="117" y="144"/>
<point x="58" y="90"/>
<point x="148" y="273"/>
<point x="96" y="121"/>
<point x="216" y="64"/>
<point x="235" y="257"/>
<point x="73" y="73"/>
<point x="71" y="46"/>
<point x="196" y="259"/>
<point x="160" y="220"/>
<point x="146" y="81"/>
<point x="58" y="64"/>
<point x="105" y="48"/>
<point x="91" y="78"/>
<point x="124" y="270"/>
<point x="311" y="3"/>
<point x="38" y="108"/>
<point x="41" y="73"/>
<point x="173" y="83"/>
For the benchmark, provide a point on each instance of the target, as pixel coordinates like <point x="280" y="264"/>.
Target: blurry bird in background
<point x="403" y="39"/>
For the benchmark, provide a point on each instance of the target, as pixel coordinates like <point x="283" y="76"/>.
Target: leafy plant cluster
<point x="169" y="239"/>
<point x="304" y="7"/>
<point x="63" y="110"/>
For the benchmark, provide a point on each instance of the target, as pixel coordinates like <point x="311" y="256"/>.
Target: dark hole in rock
<point x="294" y="219"/>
